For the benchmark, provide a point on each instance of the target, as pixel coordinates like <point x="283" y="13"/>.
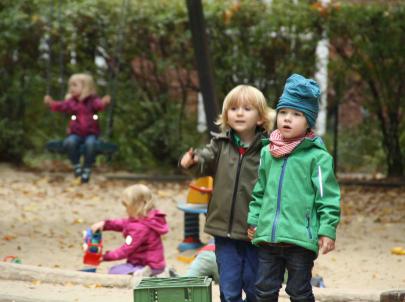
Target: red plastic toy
<point x="93" y="247"/>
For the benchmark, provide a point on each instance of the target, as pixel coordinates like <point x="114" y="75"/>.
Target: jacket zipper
<point x="280" y="186"/>
<point x="234" y="194"/>
<point x="309" y="226"/>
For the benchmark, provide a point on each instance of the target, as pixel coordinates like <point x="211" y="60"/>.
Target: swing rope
<point x="61" y="52"/>
<point x="49" y="43"/>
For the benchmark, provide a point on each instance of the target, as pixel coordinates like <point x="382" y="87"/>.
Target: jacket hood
<point x="310" y="143"/>
<point x="156" y="220"/>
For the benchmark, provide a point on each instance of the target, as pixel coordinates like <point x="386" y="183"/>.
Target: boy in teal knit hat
<point x="295" y="206"/>
<point x="301" y="94"/>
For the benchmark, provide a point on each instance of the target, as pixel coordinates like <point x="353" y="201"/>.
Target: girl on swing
<point x="82" y="103"/>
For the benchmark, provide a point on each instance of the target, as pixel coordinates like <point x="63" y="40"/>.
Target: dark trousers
<point x="273" y="261"/>
<point x="72" y="145"/>
<point x="237" y="266"/>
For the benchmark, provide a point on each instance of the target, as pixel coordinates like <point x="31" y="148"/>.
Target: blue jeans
<point x="237" y="265"/>
<point x="272" y="264"/>
<point x="72" y="145"/>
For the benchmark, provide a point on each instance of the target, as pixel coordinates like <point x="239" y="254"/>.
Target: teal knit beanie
<point x="301" y="94"/>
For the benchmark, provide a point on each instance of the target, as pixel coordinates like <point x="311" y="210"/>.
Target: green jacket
<point x="296" y="198"/>
<point x="234" y="179"/>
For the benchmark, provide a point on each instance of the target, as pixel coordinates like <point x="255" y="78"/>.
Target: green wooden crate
<point x="182" y="289"/>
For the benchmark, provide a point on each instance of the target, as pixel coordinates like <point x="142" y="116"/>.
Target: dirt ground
<point x="43" y="214"/>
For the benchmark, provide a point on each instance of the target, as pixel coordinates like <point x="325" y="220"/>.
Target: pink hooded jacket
<point x="83" y="124"/>
<point x="143" y="244"/>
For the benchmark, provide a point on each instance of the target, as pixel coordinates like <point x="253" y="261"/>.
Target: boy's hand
<point x="251" y="232"/>
<point x="48" y="100"/>
<point x="188" y="159"/>
<point x="97" y="226"/>
<point x="106" y="100"/>
<point x="326" y="244"/>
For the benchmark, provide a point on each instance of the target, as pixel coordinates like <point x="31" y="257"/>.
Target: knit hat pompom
<point x="301" y="94"/>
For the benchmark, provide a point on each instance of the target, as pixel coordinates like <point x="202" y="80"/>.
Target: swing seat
<point x="102" y="147"/>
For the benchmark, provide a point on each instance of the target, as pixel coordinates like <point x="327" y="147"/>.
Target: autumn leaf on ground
<point x="76" y="181"/>
<point x="32" y="207"/>
<point x="9" y="237"/>
<point x="42" y="181"/>
<point x="79" y="195"/>
<point x="95" y="199"/>
<point x="96" y="285"/>
<point x="77" y="221"/>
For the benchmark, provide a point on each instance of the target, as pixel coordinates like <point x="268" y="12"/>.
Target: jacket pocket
<point x="308" y="226"/>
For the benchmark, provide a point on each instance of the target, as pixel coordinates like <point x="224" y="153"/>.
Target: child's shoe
<point x="77" y="170"/>
<point x="86" y="175"/>
<point x="173" y="273"/>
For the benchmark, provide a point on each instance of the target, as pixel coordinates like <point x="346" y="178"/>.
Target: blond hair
<point x="246" y="94"/>
<point x="88" y="84"/>
<point x="138" y="200"/>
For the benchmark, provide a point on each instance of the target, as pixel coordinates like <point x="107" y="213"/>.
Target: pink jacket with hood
<point x="143" y="244"/>
<point x="83" y="124"/>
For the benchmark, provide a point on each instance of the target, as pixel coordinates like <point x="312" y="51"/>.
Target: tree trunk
<point x="389" y="127"/>
<point x="389" y="123"/>
<point x="393" y="149"/>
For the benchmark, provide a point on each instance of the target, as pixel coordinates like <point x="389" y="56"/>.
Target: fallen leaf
<point x="32" y="207"/>
<point x="96" y="285"/>
<point x="68" y="284"/>
<point x="42" y="181"/>
<point x="77" y="221"/>
<point x="9" y="237"/>
<point x="36" y="282"/>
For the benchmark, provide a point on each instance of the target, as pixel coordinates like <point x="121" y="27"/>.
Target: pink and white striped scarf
<point x="279" y="146"/>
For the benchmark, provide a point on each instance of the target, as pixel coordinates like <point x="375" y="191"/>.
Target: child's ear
<point x="260" y="122"/>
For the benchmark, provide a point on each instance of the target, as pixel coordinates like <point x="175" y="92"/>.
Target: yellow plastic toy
<point x="398" y="251"/>
<point x="187" y="256"/>
<point x="200" y="190"/>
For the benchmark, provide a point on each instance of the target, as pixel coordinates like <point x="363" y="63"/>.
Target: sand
<point x="43" y="214"/>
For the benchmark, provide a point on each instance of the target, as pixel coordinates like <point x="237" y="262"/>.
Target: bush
<point x="150" y="66"/>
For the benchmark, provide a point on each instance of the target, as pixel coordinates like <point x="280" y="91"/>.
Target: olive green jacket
<point x="234" y="179"/>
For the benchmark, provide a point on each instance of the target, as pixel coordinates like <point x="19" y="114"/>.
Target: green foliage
<point x="150" y="64"/>
<point x="359" y="149"/>
<point x="12" y="135"/>
<point x="18" y="68"/>
<point x="261" y="45"/>
<point x="369" y="42"/>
